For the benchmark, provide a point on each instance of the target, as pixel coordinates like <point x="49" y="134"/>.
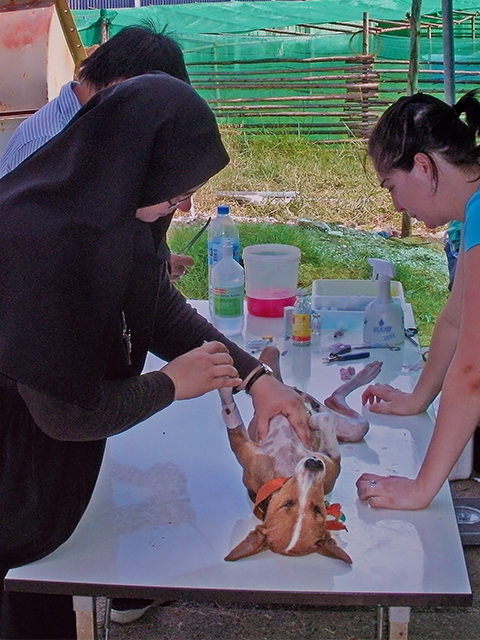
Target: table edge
<point x="244" y="595"/>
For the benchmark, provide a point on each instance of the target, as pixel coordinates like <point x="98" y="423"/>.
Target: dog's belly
<point x="283" y="446"/>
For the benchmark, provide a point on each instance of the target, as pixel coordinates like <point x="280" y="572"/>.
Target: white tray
<point x="350" y="295"/>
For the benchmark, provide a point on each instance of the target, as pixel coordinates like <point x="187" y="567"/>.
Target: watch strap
<point x="264" y="370"/>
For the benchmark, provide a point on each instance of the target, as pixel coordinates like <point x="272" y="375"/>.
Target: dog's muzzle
<point x="314" y="464"/>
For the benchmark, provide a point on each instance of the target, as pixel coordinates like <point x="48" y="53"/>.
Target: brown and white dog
<point x="286" y="481"/>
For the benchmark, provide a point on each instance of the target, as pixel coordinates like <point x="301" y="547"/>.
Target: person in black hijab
<point x="84" y="296"/>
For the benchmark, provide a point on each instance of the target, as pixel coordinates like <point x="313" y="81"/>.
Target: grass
<point x="333" y="187"/>
<point x="330" y="180"/>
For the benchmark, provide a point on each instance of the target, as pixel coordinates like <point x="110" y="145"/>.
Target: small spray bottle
<point x="383" y="323"/>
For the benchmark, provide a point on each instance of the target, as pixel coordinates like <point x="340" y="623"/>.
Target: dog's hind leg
<point x="351" y="426"/>
<point x="324" y="425"/>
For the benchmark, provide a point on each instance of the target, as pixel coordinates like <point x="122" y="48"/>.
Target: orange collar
<point x="265" y="492"/>
<point x="335" y="517"/>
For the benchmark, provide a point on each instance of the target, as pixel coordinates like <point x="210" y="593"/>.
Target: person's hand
<point x="391" y="492"/>
<point x="383" y="398"/>
<point x="201" y="370"/>
<point x="271" y="397"/>
<point x="179" y="264"/>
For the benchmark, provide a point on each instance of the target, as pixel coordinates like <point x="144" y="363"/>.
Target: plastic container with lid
<point x="271" y="274"/>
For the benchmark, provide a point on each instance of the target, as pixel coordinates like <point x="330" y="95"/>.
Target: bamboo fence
<point x="330" y="97"/>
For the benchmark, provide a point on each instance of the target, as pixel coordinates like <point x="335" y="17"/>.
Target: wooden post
<point x="85" y="614"/>
<point x="104" y="27"/>
<point x="365" y="51"/>
<point x="412" y="86"/>
<point x="414" y="20"/>
<point x="366" y="34"/>
<point x="399" y="617"/>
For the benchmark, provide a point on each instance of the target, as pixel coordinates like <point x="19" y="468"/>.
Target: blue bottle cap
<point x="223" y="210"/>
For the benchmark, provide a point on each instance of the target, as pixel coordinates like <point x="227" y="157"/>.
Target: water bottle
<point x="302" y="320"/>
<point x="221" y="228"/>
<point x="227" y="291"/>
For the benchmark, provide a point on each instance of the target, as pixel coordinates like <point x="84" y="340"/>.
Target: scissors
<point x="343" y="352"/>
<point x="409" y="333"/>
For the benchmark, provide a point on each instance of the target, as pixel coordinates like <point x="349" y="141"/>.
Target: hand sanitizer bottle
<point x="227" y="293"/>
<point x="383" y="322"/>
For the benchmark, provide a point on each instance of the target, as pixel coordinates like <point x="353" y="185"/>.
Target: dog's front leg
<point x="230" y="413"/>
<point x="243" y="448"/>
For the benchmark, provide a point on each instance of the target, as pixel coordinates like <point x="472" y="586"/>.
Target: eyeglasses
<point x="174" y="204"/>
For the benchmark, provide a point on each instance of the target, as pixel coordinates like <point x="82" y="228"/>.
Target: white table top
<point x="170" y="504"/>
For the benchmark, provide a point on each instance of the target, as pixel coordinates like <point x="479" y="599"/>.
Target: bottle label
<point x="301" y="328"/>
<point x="382" y="333"/>
<point x="215" y="250"/>
<point x="227" y="302"/>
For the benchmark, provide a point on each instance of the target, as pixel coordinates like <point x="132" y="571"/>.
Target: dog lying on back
<point x="288" y="482"/>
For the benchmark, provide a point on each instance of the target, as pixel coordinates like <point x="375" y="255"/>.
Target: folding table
<point x="170" y="504"/>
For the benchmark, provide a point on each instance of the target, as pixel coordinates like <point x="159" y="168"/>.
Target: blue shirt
<point x="36" y="130"/>
<point x="471" y="226"/>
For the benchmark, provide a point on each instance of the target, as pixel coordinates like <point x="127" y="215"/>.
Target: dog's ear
<point x="328" y="547"/>
<point x="255" y="542"/>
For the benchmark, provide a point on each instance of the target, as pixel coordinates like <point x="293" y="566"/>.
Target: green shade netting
<point x="243" y="17"/>
<point x="233" y="62"/>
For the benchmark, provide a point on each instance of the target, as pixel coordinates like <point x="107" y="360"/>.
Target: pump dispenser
<point x="383" y="323"/>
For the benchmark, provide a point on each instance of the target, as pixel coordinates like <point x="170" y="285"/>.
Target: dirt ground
<point x="214" y="621"/>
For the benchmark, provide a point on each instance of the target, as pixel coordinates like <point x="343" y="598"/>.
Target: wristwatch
<point x="264" y="370"/>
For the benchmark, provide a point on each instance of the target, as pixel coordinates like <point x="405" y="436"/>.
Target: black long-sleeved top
<point x="127" y="402"/>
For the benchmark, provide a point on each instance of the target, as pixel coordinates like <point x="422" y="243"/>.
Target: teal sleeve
<point x="471" y="227"/>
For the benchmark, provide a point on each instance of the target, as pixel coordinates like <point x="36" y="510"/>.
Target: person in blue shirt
<point x="426" y="155"/>
<point x="132" y="52"/>
<point x="452" y="248"/>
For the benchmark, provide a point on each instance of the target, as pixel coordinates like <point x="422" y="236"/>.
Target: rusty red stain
<point x="22" y="28"/>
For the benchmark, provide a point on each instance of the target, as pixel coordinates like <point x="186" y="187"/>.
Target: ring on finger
<point x="373" y="484"/>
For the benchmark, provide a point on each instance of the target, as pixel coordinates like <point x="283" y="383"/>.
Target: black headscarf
<point x="70" y="244"/>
